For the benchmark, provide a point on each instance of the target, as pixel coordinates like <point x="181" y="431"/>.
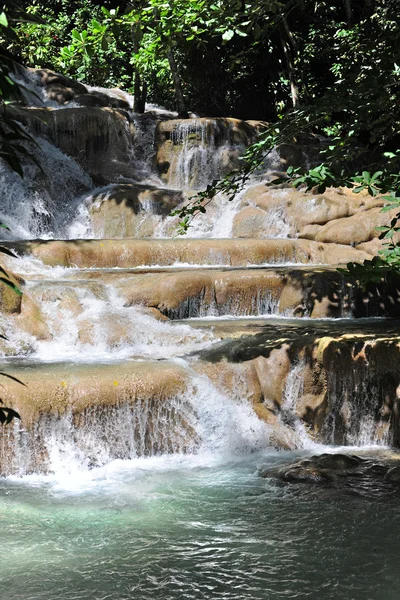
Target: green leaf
<point x="3" y="20"/>
<point x="228" y="35"/>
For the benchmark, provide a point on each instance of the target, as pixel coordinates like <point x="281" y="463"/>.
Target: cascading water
<point x="201" y="420"/>
<point x="91" y="322"/>
<point x="43" y="203"/>
<point x="295" y="429"/>
<point x="201" y="155"/>
<point x="90" y="318"/>
<point x="135" y="469"/>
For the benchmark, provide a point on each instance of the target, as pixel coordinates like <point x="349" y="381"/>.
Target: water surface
<point x="192" y="528"/>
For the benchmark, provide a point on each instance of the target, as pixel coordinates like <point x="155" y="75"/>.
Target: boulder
<point x="354" y="230"/>
<point x="332" y="217"/>
<point x="253" y="222"/>
<point x="323" y="469"/>
<point x="59" y="87"/>
<point x="63" y="90"/>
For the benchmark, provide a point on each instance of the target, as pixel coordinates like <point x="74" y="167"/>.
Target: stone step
<point x="126" y="409"/>
<point x="334" y="387"/>
<point x="167" y="252"/>
<point x="342" y="388"/>
<point x="197" y="293"/>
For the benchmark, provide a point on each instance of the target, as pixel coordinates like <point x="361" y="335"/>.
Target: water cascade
<point x="161" y="374"/>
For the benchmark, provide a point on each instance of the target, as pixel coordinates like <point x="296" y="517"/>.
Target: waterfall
<point x="360" y="406"/>
<point x="295" y="430"/>
<point x="88" y="321"/>
<point x="43" y="203"/>
<point x="114" y="175"/>
<point x="202" y="420"/>
<point x="143" y="151"/>
<point x="72" y="443"/>
<point x="205" y="151"/>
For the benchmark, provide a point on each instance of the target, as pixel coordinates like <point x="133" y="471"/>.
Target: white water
<point x="202" y="420"/>
<point x="43" y="203"/>
<point x="298" y="436"/>
<point x="87" y="321"/>
<point x="201" y="158"/>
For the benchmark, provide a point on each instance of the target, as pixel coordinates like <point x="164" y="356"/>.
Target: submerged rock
<point x="323" y="469"/>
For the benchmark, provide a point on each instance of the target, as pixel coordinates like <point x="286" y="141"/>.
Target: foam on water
<point x="90" y="322"/>
<point x="202" y="424"/>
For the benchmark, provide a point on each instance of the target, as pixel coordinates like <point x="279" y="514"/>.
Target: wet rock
<point x="98" y="139"/>
<point x="253" y="222"/>
<point x="11" y="301"/>
<point x="59" y="87"/>
<point x="393" y="474"/>
<point x="127" y="409"/>
<point x="31" y="320"/>
<point x="132" y="253"/>
<point x="130" y="210"/>
<point x="323" y="469"/>
<point x="91" y="100"/>
<point x="225" y="136"/>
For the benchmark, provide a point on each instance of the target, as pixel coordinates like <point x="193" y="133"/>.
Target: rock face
<point x="63" y="90"/>
<point x="336" y="216"/>
<point x="342" y="474"/>
<point x="240" y="292"/>
<point x="129" y="210"/>
<point x="341" y="389"/>
<point x="324" y="469"/>
<point x="99" y="139"/>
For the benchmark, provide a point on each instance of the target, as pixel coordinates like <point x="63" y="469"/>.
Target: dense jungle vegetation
<point x="315" y="67"/>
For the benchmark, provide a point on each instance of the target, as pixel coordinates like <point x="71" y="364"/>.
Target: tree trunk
<point x="288" y="45"/>
<point x="140" y="94"/>
<point x="349" y="12"/>
<point x="140" y="91"/>
<point x="180" y="100"/>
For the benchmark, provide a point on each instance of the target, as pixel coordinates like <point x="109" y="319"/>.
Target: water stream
<point x="135" y="472"/>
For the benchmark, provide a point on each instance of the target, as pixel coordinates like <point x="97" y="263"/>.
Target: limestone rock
<point x="130" y="210"/>
<point x="232" y="252"/>
<point x="323" y="469"/>
<point x="99" y="139"/>
<point x="84" y="395"/>
<point x="252" y="222"/>
<point x="359" y="228"/>
<point x="228" y="137"/>
<point x="59" y="87"/>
